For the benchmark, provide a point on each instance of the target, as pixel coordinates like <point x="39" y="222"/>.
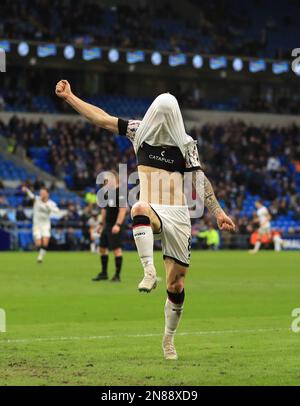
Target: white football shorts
<point x="41" y="231"/>
<point x="264" y="230"/>
<point x="175" y="233"/>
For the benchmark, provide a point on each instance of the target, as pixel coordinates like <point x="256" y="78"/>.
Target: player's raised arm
<point x="28" y="192"/>
<point x="94" y="114"/>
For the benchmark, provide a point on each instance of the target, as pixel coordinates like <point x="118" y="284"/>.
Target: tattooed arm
<point x="211" y="203"/>
<point x="210" y="200"/>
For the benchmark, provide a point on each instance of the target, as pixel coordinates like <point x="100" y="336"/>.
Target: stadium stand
<point x="9" y="171"/>
<point x="256" y="28"/>
<point x="20" y="101"/>
<point x="121" y="105"/>
<point x="252" y="162"/>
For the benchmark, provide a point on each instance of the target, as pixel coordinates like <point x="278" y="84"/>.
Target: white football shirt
<point x="263" y="216"/>
<point x="43" y="210"/>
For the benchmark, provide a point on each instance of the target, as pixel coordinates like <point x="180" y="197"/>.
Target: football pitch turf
<point x="62" y="329"/>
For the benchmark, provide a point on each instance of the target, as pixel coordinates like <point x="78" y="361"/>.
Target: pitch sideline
<point x="104" y="337"/>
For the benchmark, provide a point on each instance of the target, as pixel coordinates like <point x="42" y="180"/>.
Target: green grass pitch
<point x="62" y="329"/>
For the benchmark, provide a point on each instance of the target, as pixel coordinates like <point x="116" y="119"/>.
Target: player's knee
<point x="140" y="209"/>
<point x="103" y="251"/>
<point x="118" y="252"/>
<point x="175" y="287"/>
<point x="165" y="103"/>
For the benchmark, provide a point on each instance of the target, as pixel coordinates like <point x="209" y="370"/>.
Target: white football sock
<point x="42" y="253"/>
<point x="257" y="246"/>
<point x="173" y="314"/>
<point x="277" y="243"/>
<point x="144" y="240"/>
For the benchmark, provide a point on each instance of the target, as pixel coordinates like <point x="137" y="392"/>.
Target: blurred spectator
<point x="273" y="164"/>
<point x="211" y="237"/>
<point x="20" y="215"/>
<point x="3" y="202"/>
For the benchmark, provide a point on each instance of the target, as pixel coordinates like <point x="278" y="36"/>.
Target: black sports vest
<point x="164" y="157"/>
<point x="168" y="158"/>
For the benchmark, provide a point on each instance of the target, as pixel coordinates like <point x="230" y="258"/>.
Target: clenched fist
<point x="224" y="222"/>
<point x="63" y="89"/>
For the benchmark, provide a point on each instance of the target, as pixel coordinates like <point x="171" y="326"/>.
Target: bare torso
<point x="158" y="186"/>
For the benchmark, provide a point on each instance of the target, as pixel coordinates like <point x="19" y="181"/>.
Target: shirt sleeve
<point x="192" y="160"/>
<point x="53" y="207"/>
<point x="128" y="128"/>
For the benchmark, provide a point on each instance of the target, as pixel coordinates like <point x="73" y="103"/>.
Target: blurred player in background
<point x="93" y="224"/>
<point x="43" y="207"/>
<point x="263" y="218"/>
<point x="111" y="229"/>
<point x="164" y="151"/>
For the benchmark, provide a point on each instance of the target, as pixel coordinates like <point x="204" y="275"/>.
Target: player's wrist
<point x="219" y="212"/>
<point x="68" y="97"/>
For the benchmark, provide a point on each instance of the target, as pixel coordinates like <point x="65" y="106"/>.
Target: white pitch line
<point x="81" y="338"/>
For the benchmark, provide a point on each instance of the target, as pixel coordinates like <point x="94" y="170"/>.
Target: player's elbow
<point x="165" y="103"/>
<point x="97" y="121"/>
<point x="108" y="123"/>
